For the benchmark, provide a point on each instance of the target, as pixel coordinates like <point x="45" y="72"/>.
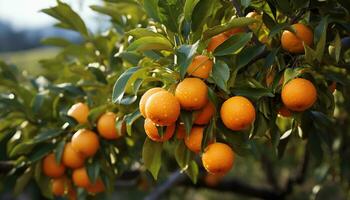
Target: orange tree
<point x="205" y="84"/>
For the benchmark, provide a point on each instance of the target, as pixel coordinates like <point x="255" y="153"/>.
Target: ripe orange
<point x="163" y="108"/>
<point x="194" y="140"/>
<point x="144" y="98"/>
<point x="97" y="187"/>
<point x="72" y="158"/>
<point x="299" y="94"/>
<point x="51" y="168"/>
<point x="192" y="93"/>
<point x="233" y="31"/>
<point x="86" y="142"/>
<point x="200" y="67"/>
<point x="106" y="126"/>
<point x="80" y="177"/>
<point x="237" y="113"/>
<point x="284" y="112"/>
<point x="79" y="112"/>
<point x="293" y="42"/>
<point x="180" y="132"/>
<point x="152" y="131"/>
<point x="218" y="158"/>
<point x="58" y="186"/>
<point x="205" y="114"/>
<point x="216" y="41"/>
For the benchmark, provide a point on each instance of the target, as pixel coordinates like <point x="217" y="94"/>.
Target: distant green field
<point x="28" y="60"/>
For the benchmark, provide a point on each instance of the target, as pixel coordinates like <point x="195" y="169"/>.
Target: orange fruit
<point x="233" y="31"/>
<point x="163" y="108"/>
<point x="299" y="94"/>
<point x="332" y="87"/>
<point x="72" y="158"/>
<point x="80" y="177"/>
<point x="212" y="179"/>
<point x="293" y="42"/>
<point x="218" y="158"/>
<point x="144" y="98"/>
<point x="284" y="112"/>
<point x="192" y="93"/>
<point x="152" y="131"/>
<point x="205" y="114"/>
<point x="106" y="126"/>
<point x="97" y="187"/>
<point x="194" y="140"/>
<point x="200" y="67"/>
<point x="181" y="132"/>
<point x="58" y="186"/>
<point x="216" y="41"/>
<point x="86" y="142"/>
<point x="79" y="112"/>
<point x="237" y="113"/>
<point x="51" y="168"/>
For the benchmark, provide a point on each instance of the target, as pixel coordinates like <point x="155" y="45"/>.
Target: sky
<point x="24" y="14"/>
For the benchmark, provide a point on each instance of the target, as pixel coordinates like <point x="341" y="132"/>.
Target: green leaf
<point x="277" y="29"/>
<point x="93" y="171"/>
<point x="233" y="23"/>
<point x="213" y="97"/>
<point x="192" y="171"/>
<point x="96" y="112"/>
<point x="182" y="155"/>
<point x="290" y="74"/>
<point x="23" y="181"/>
<point x="233" y="44"/>
<point x="337" y="46"/>
<point x="152" y="9"/>
<point x="121" y="83"/>
<point x="170" y="12"/>
<point x="221" y="74"/>
<point x="46" y="135"/>
<point x="248" y="54"/>
<point x="38" y="102"/>
<point x="152" y="156"/>
<point x="310" y="54"/>
<point x="187" y="118"/>
<point x="322" y="40"/>
<point x="203" y="10"/>
<point x="130" y="119"/>
<point x="40" y="152"/>
<point x="59" y="150"/>
<point x="185" y="54"/>
<point x="270" y="58"/>
<point x="132" y="57"/>
<point x="208" y="134"/>
<point x="150" y="43"/>
<point x="99" y="75"/>
<point x="253" y="93"/>
<point x="143" y="32"/>
<point x="67" y="18"/>
<point x="56" y="41"/>
<point x="21" y="149"/>
<point x="188" y="8"/>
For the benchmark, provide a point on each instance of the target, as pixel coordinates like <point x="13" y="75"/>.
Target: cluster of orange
<point x="83" y="145"/>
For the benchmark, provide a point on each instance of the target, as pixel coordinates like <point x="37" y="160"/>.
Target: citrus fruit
<point x="152" y="131"/>
<point x="200" y="67"/>
<point x="205" y="114"/>
<point x="293" y="42"/>
<point x="51" y="168"/>
<point x="237" y="113"/>
<point x="180" y="132"/>
<point x="96" y="187"/>
<point x="216" y="41"/>
<point x="163" y="108"/>
<point x="86" y="142"/>
<point x="299" y="94"/>
<point x="192" y="93"/>
<point x="106" y="126"/>
<point x="72" y="158"/>
<point x="58" y="186"/>
<point x="218" y="158"/>
<point x="144" y="98"/>
<point x="194" y="140"/>
<point x="79" y="112"/>
<point x="284" y="112"/>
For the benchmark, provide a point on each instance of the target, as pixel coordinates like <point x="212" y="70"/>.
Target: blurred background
<point x="23" y="26"/>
